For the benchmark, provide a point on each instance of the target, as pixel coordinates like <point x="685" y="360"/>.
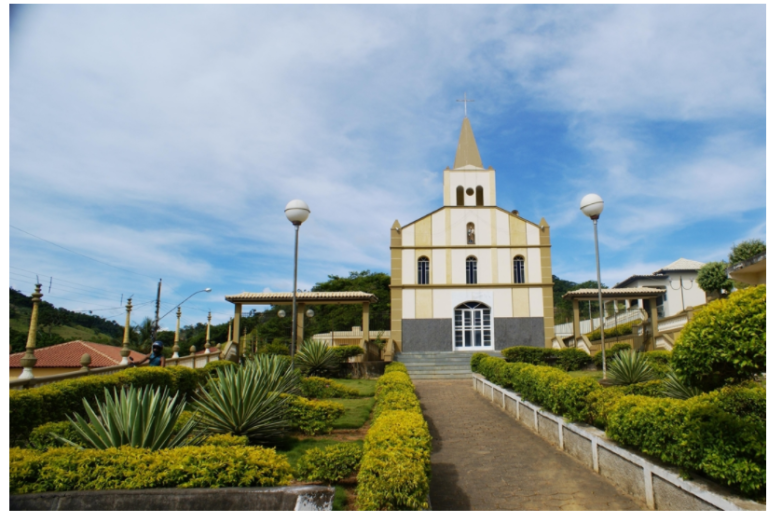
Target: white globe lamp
<point x="297" y="212"/>
<point x="592" y="206"/>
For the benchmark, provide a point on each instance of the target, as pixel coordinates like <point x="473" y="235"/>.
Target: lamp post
<point x="592" y="206"/>
<point x="297" y="213"/>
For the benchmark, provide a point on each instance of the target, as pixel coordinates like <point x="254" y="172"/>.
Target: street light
<point x="157" y="320"/>
<point x="297" y="213"/>
<point x="592" y="206"/>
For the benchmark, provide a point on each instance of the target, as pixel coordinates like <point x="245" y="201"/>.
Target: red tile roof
<point x="69" y="354"/>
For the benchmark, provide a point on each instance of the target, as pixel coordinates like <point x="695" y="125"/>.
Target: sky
<point x="152" y="142"/>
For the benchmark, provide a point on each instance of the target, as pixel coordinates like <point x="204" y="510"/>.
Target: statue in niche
<point x="470" y="233"/>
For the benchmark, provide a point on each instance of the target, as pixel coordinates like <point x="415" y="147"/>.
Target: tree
<point x="712" y="278"/>
<point x="141" y="335"/>
<point x="746" y="250"/>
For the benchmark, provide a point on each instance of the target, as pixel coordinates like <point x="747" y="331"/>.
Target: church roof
<point x="467" y="154"/>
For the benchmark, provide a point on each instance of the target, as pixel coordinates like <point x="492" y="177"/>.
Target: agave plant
<point x="629" y="367"/>
<point x="139" y="417"/>
<point x="677" y="389"/>
<point x="316" y="359"/>
<point x="249" y="400"/>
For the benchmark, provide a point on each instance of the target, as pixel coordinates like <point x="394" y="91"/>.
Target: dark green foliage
<point x="344" y="352"/>
<point x="312" y="416"/>
<point x="477" y="357"/>
<point x="712" y="277"/>
<point x="316" y="359"/>
<point x="566" y="359"/>
<point x="330" y="464"/>
<point x="43" y="437"/>
<point x="212" y="368"/>
<point x="18" y="341"/>
<point x="628" y="368"/>
<point x="323" y="388"/>
<point x="34" y="407"/>
<point x="276" y="348"/>
<point x="652" y="388"/>
<point x="746" y="250"/>
<point x="724" y="342"/>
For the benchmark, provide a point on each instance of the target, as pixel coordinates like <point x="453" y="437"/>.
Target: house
<point x="65" y="357"/>
<point x="751" y="271"/>
<point x="679" y="281"/>
<point x="470" y="276"/>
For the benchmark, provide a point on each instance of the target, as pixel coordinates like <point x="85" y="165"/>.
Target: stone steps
<point x="439" y="365"/>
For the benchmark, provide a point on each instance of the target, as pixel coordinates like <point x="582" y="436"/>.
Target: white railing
<point x="347" y="337"/>
<point x="587" y="326"/>
<point x="673" y="323"/>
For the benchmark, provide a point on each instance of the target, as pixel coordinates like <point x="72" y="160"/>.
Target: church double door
<point x="472" y="326"/>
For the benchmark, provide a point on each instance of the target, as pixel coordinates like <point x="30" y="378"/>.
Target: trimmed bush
<point x="313" y="416"/>
<point x="566" y="359"/>
<point x="63" y="469"/>
<point x="573" y="359"/>
<point x="477" y="357"/>
<point x="401" y="400"/>
<point x="321" y="388"/>
<point x="226" y="440"/>
<point x="276" y="348"/>
<point x="399" y="428"/>
<point x="653" y="389"/>
<point x="395" y="366"/>
<point x="42" y="437"/>
<point x="698" y="434"/>
<point x="211" y="369"/>
<point x="344" y="352"/>
<point x="659" y="361"/>
<point x="34" y="407"/>
<point x="330" y="464"/>
<point x="724" y="343"/>
<point x="395" y="380"/>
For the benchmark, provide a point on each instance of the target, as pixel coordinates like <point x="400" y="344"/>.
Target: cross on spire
<point x="465" y="103"/>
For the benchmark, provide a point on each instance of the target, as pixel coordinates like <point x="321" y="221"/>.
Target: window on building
<point x="460" y="196"/>
<point x="471" y="269"/>
<point x="519" y="269"/>
<point x="472" y="325"/>
<point x="479" y="197"/>
<point x="423" y="270"/>
<point x="470" y="233"/>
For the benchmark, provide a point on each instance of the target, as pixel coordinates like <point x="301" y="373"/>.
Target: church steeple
<point x="467" y="153"/>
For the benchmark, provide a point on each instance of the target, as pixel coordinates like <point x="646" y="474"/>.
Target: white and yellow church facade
<point x="470" y="276"/>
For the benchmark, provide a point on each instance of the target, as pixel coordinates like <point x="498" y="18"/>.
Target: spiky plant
<point x="316" y="359"/>
<point x="629" y="367"/>
<point x="677" y="389"/>
<point x="139" y="417"/>
<point x="249" y="400"/>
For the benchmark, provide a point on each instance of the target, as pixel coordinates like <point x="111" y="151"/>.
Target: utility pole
<point x="157" y="311"/>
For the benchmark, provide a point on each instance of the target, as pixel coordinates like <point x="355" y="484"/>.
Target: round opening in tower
<point x="470" y="191"/>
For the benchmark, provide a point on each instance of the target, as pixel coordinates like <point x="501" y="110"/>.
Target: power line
<point x="74" y="290"/>
<point x="83" y="255"/>
<point x="59" y="298"/>
<point x="58" y="279"/>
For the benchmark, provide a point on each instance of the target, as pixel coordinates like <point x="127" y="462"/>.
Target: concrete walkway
<point x="483" y="459"/>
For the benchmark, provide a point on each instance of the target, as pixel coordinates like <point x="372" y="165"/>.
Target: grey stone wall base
<point x="642" y="477"/>
<point x="313" y="497"/>
<point x="427" y="335"/>
<point x="512" y="332"/>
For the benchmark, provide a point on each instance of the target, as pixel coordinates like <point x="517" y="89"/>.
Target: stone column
<point x="125" y="351"/>
<point x="654" y="323"/>
<point x="300" y="310"/>
<point x="85" y="361"/>
<point x="208" y="336"/>
<point x="576" y="326"/>
<point x="229" y="332"/>
<point x="28" y="361"/>
<point x="176" y="337"/>
<point x="366" y="321"/>
<point x="236" y="324"/>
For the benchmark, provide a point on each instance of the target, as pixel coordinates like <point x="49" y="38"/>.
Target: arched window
<point x="479" y="197"/>
<point x="519" y="269"/>
<point x="470" y="233"/>
<point x="460" y="196"/>
<point x="423" y="270"/>
<point x="472" y="325"/>
<point x="471" y="269"/>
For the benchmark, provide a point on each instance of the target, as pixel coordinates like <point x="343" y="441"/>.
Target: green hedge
<point x="63" y="469"/>
<point x="724" y="342"/>
<point x="625" y="329"/>
<point x="344" y="352"/>
<point x="330" y="464"/>
<point x="322" y="388"/>
<point x="395" y="469"/>
<point x="395" y="366"/>
<point x="42" y="437"/>
<point x="659" y="361"/>
<point x="211" y="368"/>
<point x="313" y="416"/>
<point x="31" y="408"/>
<point x="720" y="434"/>
<point x="566" y="359"/>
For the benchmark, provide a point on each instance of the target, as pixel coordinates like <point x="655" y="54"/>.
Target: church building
<point x="471" y="276"/>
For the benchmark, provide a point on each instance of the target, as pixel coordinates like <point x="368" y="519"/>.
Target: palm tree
<point x="141" y="335"/>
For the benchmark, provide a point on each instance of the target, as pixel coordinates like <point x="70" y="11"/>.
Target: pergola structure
<point x="629" y="293"/>
<point x="302" y="300"/>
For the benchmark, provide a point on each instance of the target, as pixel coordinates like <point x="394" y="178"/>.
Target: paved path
<point x="483" y="459"/>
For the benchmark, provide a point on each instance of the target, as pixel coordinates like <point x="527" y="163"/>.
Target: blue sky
<point x="166" y="140"/>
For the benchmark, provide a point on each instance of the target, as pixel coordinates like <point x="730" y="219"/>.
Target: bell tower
<point x="468" y="184"/>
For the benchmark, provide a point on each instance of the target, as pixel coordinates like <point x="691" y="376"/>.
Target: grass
<point x="339" y="498"/>
<point x="364" y="387"/>
<point x="356" y="413"/>
<point x="594" y="374"/>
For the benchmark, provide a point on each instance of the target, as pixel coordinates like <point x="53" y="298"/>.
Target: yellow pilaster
<point x="576" y="326"/>
<point x="396" y="278"/>
<point x="546" y="277"/>
<point x="366" y="318"/>
<point x="208" y="335"/>
<point x="236" y="324"/>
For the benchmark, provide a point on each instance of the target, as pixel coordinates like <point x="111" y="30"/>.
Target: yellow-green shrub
<point x="63" y="469"/>
<point x="330" y="464"/>
<point x="42" y="437"/>
<point x="474" y="362"/>
<point x="395" y="380"/>
<point x="395" y="366"/>
<point x="399" y="428"/>
<point x="397" y="400"/>
<point x="321" y="388"/>
<point x="34" y="407"/>
<point x="226" y="440"/>
<point x="313" y="416"/>
<point x="724" y="342"/>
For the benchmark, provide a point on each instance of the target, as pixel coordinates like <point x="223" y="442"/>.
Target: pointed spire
<point x="466" y="152"/>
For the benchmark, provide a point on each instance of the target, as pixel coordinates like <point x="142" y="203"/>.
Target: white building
<point x="679" y="281"/>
